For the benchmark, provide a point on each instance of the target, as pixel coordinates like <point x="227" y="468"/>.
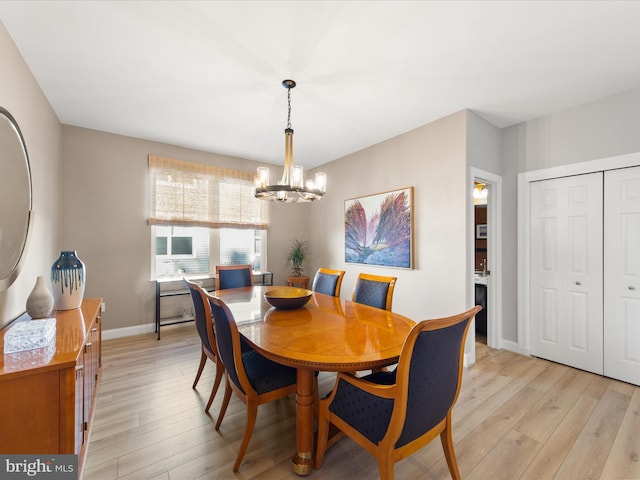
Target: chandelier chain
<point x="289" y="107"/>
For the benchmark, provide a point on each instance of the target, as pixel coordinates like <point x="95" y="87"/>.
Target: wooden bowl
<point x="288" y="297"/>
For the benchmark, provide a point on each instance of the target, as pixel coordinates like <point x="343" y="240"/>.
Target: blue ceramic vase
<point x="68" y="281"/>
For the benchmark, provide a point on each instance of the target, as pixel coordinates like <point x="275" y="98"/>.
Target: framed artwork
<point x="378" y="229"/>
<point x="481" y="231"/>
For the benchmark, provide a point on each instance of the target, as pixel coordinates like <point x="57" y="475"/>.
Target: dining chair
<point x="394" y="414"/>
<point x="374" y="290"/>
<point x="328" y="281"/>
<point x="233" y="276"/>
<point x="252" y="377"/>
<point x="204" y="326"/>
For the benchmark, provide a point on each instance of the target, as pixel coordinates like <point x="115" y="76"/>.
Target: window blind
<point x="199" y="195"/>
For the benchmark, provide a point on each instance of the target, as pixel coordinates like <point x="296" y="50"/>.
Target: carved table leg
<point x="303" y="459"/>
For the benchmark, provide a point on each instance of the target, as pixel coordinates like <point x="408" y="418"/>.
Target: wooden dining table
<point x="326" y="334"/>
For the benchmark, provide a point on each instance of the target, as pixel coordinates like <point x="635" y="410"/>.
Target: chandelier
<point x="292" y="186"/>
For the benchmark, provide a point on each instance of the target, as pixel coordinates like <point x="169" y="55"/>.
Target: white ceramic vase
<point x="40" y="300"/>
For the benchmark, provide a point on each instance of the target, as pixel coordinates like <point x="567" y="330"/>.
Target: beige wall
<point x="105" y="203"/>
<point x="22" y="97"/>
<point x="432" y="160"/>
<point x="105" y="211"/>
<point x="105" y="218"/>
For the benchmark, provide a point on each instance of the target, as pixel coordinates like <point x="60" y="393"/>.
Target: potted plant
<point x="297" y="256"/>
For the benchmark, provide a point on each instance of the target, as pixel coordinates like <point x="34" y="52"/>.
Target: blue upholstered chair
<point x="233" y="276"/>
<point x="204" y="326"/>
<point x="394" y="414"/>
<point x="374" y="290"/>
<point x="328" y="281"/>
<point x="254" y="379"/>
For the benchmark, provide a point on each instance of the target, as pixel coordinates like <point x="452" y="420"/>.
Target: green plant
<point x="297" y="256"/>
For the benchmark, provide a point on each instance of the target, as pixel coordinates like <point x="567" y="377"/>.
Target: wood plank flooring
<point x="517" y="417"/>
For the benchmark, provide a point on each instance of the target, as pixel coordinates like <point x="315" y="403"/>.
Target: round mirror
<point x="15" y="199"/>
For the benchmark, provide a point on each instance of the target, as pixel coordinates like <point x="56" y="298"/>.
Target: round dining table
<point x="326" y="334"/>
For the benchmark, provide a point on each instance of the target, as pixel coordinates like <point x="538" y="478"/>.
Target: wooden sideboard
<point x="48" y="400"/>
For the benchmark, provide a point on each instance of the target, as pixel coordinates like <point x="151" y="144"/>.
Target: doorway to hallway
<point x="485" y="274"/>
<point x="480" y="264"/>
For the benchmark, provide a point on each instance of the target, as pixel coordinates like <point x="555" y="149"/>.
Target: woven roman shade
<point x="199" y="195"/>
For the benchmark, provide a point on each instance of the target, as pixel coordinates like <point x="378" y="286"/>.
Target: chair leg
<point x="385" y="465"/>
<point x="203" y="360"/>
<point x="447" y="445"/>
<point x="216" y="384"/>
<point x="316" y="398"/>
<point x="252" y="414"/>
<point x="225" y="402"/>
<point x="323" y="435"/>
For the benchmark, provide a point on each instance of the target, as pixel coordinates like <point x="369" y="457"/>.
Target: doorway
<point x="481" y="271"/>
<point x="484" y="261"/>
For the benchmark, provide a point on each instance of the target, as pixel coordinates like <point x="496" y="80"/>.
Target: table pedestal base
<point x="302" y="463"/>
<point x="305" y="397"/>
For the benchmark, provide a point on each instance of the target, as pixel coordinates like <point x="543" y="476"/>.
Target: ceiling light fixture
<point x="291" y="187"/>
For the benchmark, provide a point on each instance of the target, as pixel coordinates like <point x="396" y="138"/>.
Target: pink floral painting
<point x="378" y="229"/>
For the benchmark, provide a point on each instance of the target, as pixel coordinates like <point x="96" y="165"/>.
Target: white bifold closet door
<point x="566" y="277"/>
<point x="622" y="274"/>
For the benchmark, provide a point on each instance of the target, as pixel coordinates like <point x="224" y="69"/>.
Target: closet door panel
<point x="545" y="270"/>
<point x="579" y="316"/>
<point x="549" y="318"/>
<point x="578" y="270"/>
<point x="566" y="271"/>
<point x="622" y="275"/>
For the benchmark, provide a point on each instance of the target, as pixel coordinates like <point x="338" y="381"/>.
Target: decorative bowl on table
<point x="288" y="297"/>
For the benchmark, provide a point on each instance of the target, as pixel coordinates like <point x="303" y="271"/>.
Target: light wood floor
<point x="516" y="417"/>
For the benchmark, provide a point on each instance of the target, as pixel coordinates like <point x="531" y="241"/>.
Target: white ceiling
<point x="207" y="75"/>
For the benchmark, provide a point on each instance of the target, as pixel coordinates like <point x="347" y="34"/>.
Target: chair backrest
<point x="228" y="341"/>
<point x="202" y="313"/>
<point x="233" y="276"/>
<point x="374" y="290"/>
<point x="328" y="281"/>
<point x="430" y="372"/>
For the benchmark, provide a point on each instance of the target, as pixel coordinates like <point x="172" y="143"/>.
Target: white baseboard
<point x="151" y="328"/>
<point x="513" y="347"/>
<point x="128" y="331"/>
<point x="504" y="345"/>
<point x="466" y="360"/>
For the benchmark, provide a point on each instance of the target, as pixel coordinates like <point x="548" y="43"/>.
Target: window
<point x="181" y="251"/>
<point x="170" y="245"/>
<point x="203" y="216"/>
<point x="195" y="251"/>
<point x="240" y="247"/>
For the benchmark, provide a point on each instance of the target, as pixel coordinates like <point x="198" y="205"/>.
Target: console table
<point x="48" y="396"/>
<point x="302" y="281"/>
<point x="174" y="287"/>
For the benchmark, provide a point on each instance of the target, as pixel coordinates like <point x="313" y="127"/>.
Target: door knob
<point x="631" y="287"/>
<point x="578" y="283"/>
